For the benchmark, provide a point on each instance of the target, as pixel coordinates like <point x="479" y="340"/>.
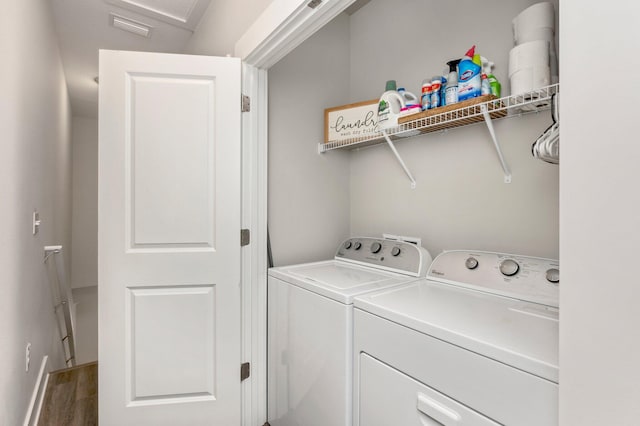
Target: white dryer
<point x="310" y="330"/>
<point x="475" y="343"/>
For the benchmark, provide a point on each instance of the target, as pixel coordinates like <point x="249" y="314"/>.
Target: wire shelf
<point x="448" y="117"/>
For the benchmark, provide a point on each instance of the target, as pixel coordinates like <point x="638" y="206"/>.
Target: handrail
<point x="63" y="305"/>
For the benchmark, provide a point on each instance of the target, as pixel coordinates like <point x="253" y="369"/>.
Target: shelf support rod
<point x="395" y="152"/>
<point x="487" y="120"/>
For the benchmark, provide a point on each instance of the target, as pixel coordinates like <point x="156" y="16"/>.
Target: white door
<point x="169" y="240"/>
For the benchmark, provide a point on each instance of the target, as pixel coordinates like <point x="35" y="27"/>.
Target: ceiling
<point x="85" y="26"/>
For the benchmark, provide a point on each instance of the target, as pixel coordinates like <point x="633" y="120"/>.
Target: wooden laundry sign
<point x="351" y="122"/>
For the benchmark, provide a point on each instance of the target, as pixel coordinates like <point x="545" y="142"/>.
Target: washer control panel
<point x="532" y="279"/>
<point x="391" y="255"/>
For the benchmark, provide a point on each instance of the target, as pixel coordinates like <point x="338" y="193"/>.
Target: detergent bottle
<point x="469" y="80"/>
<point x="411" y="102"/>
<point x="389" y="107"/>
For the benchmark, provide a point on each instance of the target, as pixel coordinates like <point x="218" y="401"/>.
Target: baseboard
<point x="37" y="397"/>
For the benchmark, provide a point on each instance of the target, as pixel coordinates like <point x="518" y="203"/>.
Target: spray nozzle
<point x="487" y="65"/>
<point x="453" y="65"/>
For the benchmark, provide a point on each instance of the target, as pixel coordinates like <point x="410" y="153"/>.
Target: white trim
<point x="37" y="397"/>
<point x="282" y="27"/>
<point x="254" y="256"/>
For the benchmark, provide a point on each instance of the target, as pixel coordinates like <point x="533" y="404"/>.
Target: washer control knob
<point x="348" y="245"/>
<point x="509" y="267"/>
<point x="471" y="263"/>
<point x="395" y="251"/>
<point x="357" y="245"/>
<point x="376" y="247"/>
<point x="553" y="275"/>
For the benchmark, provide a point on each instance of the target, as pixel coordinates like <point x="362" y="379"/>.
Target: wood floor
<point x="71" y="397"/>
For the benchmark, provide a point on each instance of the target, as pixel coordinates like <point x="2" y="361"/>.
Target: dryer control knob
<point x="357" y="245"/>
<point x="471" y="263"/>
<point x="348" y="245"/>
<point x="376" y="247"/>
<point x="509" y="267"/>
<point x="395" y="251"/>
<point x="553" y="275"/>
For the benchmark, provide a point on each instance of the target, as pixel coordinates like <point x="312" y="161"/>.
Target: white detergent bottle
<point x="389" y="107"/>
<point x="411" y="102"/>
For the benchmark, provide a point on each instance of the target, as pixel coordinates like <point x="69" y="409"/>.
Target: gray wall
<point x="308" y="206"/>
<point x="224" y="22"/>
<point x="84" y="223"/>
<point x="35" y="171"/>
<point x="460" y="200"/>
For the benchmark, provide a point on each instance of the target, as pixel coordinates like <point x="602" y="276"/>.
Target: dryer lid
<point x="517" y="333"/>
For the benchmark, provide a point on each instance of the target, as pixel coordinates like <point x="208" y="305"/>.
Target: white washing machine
<point x="310" y="339"/>
<point x="475" y="343"/>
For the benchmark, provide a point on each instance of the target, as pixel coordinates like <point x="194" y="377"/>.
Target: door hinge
<point x="245" y="237"/>
<point x="246" y="103"/>
<point x="314" y="3"/>
<point x="245" y="371"/>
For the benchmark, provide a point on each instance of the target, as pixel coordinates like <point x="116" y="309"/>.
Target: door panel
<point x="170" y="150"/>
<point x="184" y="336"/>
<point x="169" y="249"/>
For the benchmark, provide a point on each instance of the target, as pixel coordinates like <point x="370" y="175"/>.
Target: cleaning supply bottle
<point x="411" y="102"/>
<point x="442" y="87"/>
<point x="425" y="99"/>
<point x="451" y="90"/>
<point x="436" y="84"/>
<point x="389" y="107"/>
<point x="494" y="84"/>
<point x="485" y="87"/>
<point x="469" y="81"/>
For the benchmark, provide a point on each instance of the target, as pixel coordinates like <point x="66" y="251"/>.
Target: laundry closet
<point x="461" y="199"/>
<point x="405" y="353"/>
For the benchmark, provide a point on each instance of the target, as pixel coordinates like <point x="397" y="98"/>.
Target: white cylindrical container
<point x="535" y="23"/>
<point x="529" y="66"/>
<point x="528" y="79"/>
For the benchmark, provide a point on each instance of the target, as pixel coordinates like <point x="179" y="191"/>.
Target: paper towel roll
<point x="527" y="55"/>
<point x="535" y="23"/>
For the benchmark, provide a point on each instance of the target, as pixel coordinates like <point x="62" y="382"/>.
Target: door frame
<point x="282" y="27"/>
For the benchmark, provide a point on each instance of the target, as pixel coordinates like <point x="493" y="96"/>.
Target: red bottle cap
<point x="471" y="51"/>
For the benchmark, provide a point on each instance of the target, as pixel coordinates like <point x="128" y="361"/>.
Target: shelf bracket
<point x="395" y="152"/>
<point x="487" y="120"/>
